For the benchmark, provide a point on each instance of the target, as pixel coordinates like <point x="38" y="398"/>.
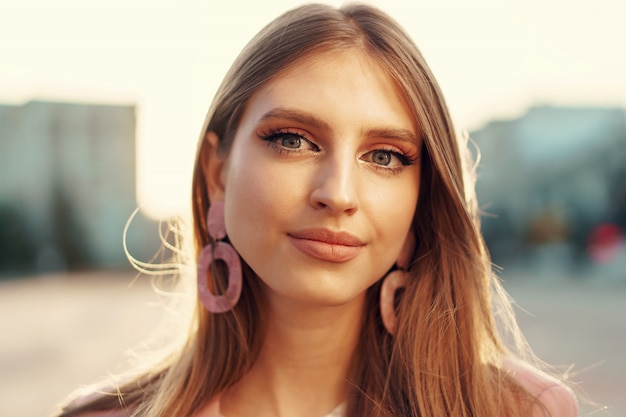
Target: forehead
<point x="350" y="82"/>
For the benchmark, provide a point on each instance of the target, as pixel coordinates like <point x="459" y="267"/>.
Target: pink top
<point x="556" y="397"/>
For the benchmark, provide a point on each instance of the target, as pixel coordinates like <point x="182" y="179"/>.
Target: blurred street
<point x="579" y="324"/>
<point x="61" y="331"/>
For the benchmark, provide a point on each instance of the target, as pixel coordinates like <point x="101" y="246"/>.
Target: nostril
<point x="317" y="202"/>
<point x="333" y="203"/>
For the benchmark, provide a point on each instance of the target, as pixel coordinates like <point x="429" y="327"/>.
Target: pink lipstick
<point x="325" y="245"/>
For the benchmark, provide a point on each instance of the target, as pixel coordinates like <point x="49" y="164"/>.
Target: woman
<point x="341" y="271"/>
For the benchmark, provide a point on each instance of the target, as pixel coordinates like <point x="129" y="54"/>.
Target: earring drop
<point x="394" y="281"/>
<point x="218" y="251"/>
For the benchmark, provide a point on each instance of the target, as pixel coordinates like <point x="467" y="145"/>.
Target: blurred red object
<point x="604" y="242"/>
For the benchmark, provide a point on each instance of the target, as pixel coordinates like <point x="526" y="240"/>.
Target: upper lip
<point x="328" y="236"/>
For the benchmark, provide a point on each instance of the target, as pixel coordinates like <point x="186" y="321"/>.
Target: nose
<point x="335" y="188"/>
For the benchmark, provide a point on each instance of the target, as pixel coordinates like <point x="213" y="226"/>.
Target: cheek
<point x="245" y="196"/>
<point x="259" y="197"/>
<point x="394" y="212"/>
<point x="396" y="202"/>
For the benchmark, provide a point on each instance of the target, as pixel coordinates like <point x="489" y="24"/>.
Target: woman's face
<point x="322" y="180"/>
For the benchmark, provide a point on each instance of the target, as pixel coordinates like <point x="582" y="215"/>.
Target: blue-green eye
<point x="381" y="157"/>
<point x="387" y="159"/>
<point x="290" y="141"/>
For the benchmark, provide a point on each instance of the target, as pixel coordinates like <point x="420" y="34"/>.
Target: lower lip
<point x="325" y="251"/>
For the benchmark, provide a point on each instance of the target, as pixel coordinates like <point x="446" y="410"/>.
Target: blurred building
<point x="549" y="178"/>
<point x="67" y="185"/>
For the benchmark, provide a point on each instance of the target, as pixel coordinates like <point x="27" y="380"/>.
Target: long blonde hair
<point x="445" y="359"/>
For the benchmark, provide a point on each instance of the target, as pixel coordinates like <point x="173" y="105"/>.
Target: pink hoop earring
<point x="225" y="252"/>
<point x="394" y="281"/>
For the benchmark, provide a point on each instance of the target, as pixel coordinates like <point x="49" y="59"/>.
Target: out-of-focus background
<point x="102" y="105"/>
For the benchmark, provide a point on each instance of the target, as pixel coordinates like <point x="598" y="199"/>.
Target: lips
<point x="328" y="246"/>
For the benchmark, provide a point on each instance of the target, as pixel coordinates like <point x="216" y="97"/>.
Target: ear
<point x="212" y="167"/>
<point x="407" y="251"/>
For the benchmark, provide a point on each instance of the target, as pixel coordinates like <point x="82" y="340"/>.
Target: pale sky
<point x="493" y="59"/>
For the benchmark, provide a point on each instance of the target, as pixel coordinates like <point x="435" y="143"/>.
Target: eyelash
<point x="272" y="136"/>
<point x="406" y="159"/>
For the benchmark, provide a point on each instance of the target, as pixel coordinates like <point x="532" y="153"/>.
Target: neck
<point x="303" y="366"/>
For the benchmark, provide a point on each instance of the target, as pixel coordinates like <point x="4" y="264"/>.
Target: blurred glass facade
<point x="552" y="186"/>
<point x="67" y="186"/>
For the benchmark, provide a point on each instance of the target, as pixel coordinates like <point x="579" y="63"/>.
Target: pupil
<point x="382" y="157"/>
<point x="291" y="141"/>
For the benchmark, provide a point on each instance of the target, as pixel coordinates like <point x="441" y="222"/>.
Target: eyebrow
<point x="298" y="116"/>
<point x="403" y="135"/>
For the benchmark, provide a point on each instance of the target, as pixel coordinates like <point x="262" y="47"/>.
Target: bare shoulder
<point x="556" y="397"/>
